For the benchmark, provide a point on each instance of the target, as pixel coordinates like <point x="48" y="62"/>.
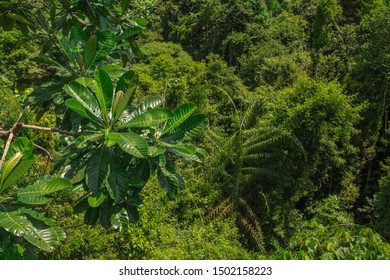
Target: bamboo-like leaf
<point x="150" y="118"/>
<point x="36" y="194"/>
<point x="104" y="92"/>
<point x="180" y="114"/>
<point x="132" y="144"/>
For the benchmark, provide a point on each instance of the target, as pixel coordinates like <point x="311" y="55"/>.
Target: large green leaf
<point x="187" y="151"/>
<point x="124" y="6"/>
<point x="97" y="170"/>
<point x="85" y="97"/>
<point x="15" y="167"/>
<point x="125" y="91"/>
<point x="120" y="219"/>
<point x="188" y="129"/>
<point x="76" y="106"/>
<point x="90" y="50"/>
<point x="65" y="46"/>
<point x="118" y="180"/>
<point x="150" y="118"/>
<point x="105" y="42"/>
<point x="104" y="92"/>
<point x="148" y="103"/>
<point x="168" y="181"/>
<point x="36" y="194"/>
<point x="180" y="114"/>
<point x="131" y="143"/>
<point x="18" y="224"/>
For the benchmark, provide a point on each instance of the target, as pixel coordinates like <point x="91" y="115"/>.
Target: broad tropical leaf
<point x="97" y="170"/>
<point x="65" y="46"/>
<point x="150" y="118"/>
<point x="36" y="194"/>
<point x="132" y="144"/>
<point x="18" y="224"/>
<point x="105" y="42"/>
<point x="168" y="181"/>
<point x="90" y="50"/>
<point x="85" y="97"/>
<point x="149" y="102"/>
<point x="76" y="106"/>
<point x="125" y="92"/>
<point x="18" y="160"/>
<point x="118" y="180"/>
<point x="180" y="114"/>
<point x="188" y="129"/>
<point x="104" y="92"/>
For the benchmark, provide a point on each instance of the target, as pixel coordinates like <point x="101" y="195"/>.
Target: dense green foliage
<point x="264" y="122"/>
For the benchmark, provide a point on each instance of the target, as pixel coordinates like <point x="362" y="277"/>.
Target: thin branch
<point x="51" y="129"/>
<point x="11" y="132"/>
<point x="43" y="149"/>
<point x="6" y="148"/>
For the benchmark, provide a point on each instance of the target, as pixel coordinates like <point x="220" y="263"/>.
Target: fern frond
<point x="252" y="231"/>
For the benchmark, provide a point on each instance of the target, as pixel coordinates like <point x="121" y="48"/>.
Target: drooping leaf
<point x="18" y="224"/>
<point x="91" y="216"/>
<point x="97" y="170"/>
<point x="37" y="194"/>
<point x="118" y="180"/>
<point x="156" y="151"/>
<point x="150" y="118"/>
<point x="168" y="181"/>
<point x="96" y="201"/>
<point x="132" y="213"/>
<point x="120" y="219"/>
<point x="40" y="95"/>
<point x="180" y="114"/>
<point x="130" y="31"/>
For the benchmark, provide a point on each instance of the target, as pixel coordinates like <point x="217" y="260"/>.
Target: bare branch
<point x="6" y="148"/>
<point x="51" y="129"/>
<point x="43" y="149"/>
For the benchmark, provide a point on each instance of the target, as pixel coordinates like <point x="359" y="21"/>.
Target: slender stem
<point x="6" y="148"/>
<point x="43" y="149"/>
<point x="51" y="129"/>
